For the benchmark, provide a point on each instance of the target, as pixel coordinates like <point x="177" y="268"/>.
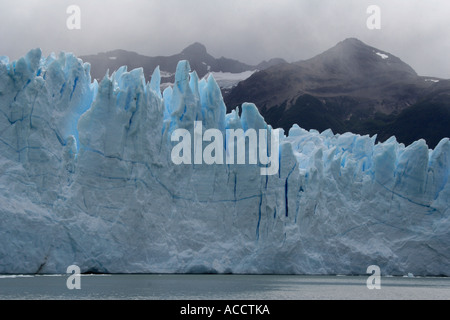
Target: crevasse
<point x="86" y="178"/>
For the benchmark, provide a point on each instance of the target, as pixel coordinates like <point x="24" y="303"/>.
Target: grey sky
<point x="417" y="31"/>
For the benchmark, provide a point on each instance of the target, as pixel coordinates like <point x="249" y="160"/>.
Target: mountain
<point x="350" y="87"/>
<point x="201" y="61"/>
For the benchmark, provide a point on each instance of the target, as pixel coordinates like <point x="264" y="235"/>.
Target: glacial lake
<point x="220" y="287"/>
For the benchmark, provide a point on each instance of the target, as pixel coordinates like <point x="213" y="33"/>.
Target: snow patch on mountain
<point x="227" y="80"/>
<point x="382" y="55"/>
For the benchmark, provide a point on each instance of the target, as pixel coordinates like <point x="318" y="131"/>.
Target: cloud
<point x="251" y="31"/>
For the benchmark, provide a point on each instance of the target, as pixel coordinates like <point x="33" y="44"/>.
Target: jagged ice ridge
<point x="86" y="178"/>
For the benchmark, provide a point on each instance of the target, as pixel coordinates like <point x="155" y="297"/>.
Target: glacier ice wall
<point x="86" y="178"/>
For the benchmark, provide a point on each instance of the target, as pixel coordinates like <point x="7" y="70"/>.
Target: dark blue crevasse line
<point x="174" y="196"/>
<point x="34" y="103"/>
<point x="10" y="121"/>
<point x="15" y="97"/>
<point x="133" y="113"/>
<point x="17" y="179"/>
<point x="125" y="179"/>
<point x="74" y="86"/>
<point x="8" y="145"/>
<point x="235" y="186"/>
<point x="39" y="148"/>
<point x="161" y="141"/>
<point x="184" y="112"/>
<point x="10" y="107"/>
<point x="297" y="207"/>
<point x="62" y="88"/>
<point x="286" y="189"/>
<point x="163" y="129"/>
<point x="405" y="198"/>
<point x="18" y="92"/>
<point x="378" y="221"/>
<point x="6" y="116"/>
<point x="58" y="136"/>
<point x="259" y="217"/>
<point x="128" y="100"/>
<point x="286" y="197"/>
<point x="267" y="181"/>
<point x="18" y="151"/>
<point x="279" y="170"/>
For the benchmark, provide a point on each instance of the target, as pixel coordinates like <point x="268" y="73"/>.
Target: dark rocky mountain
<point x="350" y="87"/>
<point x="200" y="60"/>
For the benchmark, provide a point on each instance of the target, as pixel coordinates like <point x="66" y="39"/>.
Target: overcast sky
<point x="417" y="31"/>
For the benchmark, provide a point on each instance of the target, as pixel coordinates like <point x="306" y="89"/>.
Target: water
<point x="220" y="287"/>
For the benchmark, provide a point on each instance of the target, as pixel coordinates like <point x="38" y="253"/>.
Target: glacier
<point x="86" y="178"/>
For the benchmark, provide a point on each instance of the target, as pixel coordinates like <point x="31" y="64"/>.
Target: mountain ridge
<point x="345" y="88"/>
<point x="197" y="55"/>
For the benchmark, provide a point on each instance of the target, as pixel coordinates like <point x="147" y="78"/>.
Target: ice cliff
<point x="86" y="178"/>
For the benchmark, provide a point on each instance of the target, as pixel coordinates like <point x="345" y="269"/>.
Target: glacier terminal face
<point x="86" y="178"/>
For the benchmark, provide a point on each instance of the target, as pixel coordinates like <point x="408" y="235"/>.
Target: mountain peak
<point x="353" y="58"/>
<point x="351" y="41"/>
<point x="195" y="48"/>
<point x="351" y="46"/>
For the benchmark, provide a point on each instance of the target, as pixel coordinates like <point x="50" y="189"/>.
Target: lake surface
<point x="220" y="287"/>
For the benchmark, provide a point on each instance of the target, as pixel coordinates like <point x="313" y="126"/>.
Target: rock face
<point x="200" y="60"/>
<point x="86" y="178"/>
<point x="350" y="87"/>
